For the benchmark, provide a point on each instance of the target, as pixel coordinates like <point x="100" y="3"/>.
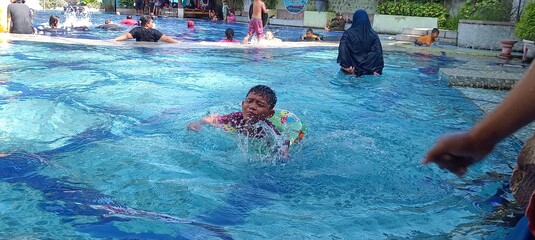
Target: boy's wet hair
<point x="144" y="20"/>
<point x="266" y="92"/>
<point x="310" y="30"/>
<point x="129" y="17"/>
<point x="108" y="21"/>
<point x="229" y="33"/>
<point x="435" y="30"/>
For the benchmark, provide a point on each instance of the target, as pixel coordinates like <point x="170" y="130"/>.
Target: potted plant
<point x="525" y="29"/>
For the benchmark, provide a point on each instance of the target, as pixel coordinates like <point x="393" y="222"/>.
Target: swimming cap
<point x="191" y="24"/>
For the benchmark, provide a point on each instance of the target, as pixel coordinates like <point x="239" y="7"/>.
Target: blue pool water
<point x="97" y="147"/>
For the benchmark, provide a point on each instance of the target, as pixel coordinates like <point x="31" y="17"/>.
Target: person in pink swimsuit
<point x="229" y="33"/>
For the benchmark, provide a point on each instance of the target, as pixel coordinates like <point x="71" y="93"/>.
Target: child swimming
<point x="258" y="107"/>
<point x="309" y="35"/>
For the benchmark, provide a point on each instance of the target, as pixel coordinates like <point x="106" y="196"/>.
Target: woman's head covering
<point x="361" y="20"/>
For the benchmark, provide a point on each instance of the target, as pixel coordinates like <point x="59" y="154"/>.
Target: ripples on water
<point x="110" y="124"/>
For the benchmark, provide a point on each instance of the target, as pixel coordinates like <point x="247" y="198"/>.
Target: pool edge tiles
<point x="132" y="43"/>
<point x="479" y="78"/>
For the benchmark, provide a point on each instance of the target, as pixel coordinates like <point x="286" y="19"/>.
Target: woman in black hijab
<point x="360" y="50"/>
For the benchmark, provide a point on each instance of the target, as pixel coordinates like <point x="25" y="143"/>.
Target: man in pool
<point x="258" y="106"/>
<point x="146" y="33"/>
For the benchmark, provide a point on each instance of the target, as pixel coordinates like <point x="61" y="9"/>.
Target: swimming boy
<point x="309" y="35"/>
<point x="428" y="39"/>
<point x="146" y="33"/>
<point x="255" y="24"/>
<point x="258" y="106"/>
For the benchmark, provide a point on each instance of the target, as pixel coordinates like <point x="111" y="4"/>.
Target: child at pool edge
<point x="259" y="105"/>
<point x="427" y="40"/>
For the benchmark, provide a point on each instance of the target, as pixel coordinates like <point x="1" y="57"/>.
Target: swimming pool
<point x="174" y="27"/>
<point x="99" y="148"/>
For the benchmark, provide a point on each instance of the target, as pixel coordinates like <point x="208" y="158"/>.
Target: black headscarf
<point x="360" y="46"/>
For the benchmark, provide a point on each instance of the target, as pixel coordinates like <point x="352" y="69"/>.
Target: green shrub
<point x="525" y="28"/>
<point x="406" y="8"/>
<point x="452" y="23"/>
<point x="271" y="4"/>
<point x="51" y="4"/>
<point x="488" y="10"/>
<point x="126" y="3"/>
<point x="90" y="3"/>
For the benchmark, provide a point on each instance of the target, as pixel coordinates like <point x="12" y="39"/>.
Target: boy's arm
<point x="197" y="125"/>
<point x="168" y="39"/>
<point x="264" y="9"/>
<point x="124" y="37"/>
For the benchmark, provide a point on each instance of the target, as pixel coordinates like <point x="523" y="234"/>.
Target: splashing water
<point x="77" y="19"/>
<point x="267" y="145"/>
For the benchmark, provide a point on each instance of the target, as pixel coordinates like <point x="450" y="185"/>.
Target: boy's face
<point x="308" y="33"/>
<point x="256" y="107"/>
<point x="434" y="35"/>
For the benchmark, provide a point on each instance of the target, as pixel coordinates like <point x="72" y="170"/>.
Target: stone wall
<point x="485" y="34"/>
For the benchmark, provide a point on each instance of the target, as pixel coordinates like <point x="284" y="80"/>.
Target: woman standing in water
<point x="360" y="51"/>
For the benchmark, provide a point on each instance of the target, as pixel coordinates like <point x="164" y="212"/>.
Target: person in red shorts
<point x="255" y="24"/>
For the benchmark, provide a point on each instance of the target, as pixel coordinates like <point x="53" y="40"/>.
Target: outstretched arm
<point x="168" y="39"/>
<point x="197" y="125"/>
<point x="124" y="37"/>
<point x="457" y="152"/>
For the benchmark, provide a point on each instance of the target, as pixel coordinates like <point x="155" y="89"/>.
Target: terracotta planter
<point x="528" y="50"/>
<point x="507" y="47"/>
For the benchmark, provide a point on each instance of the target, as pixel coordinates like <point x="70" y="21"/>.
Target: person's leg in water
<point x="255" y="25"/>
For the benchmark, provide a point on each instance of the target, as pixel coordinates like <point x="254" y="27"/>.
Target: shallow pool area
<point x="95" y="146"/>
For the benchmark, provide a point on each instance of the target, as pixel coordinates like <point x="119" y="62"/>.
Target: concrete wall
<point x="284" y="14"/>
<point x="347" y="6"/>
<point x="393" y="24"/>
<point x="317" y="19"/>
<point x="485" y="34"/>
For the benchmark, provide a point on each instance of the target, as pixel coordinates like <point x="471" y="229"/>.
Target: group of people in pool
<point x="359" y="53"/>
